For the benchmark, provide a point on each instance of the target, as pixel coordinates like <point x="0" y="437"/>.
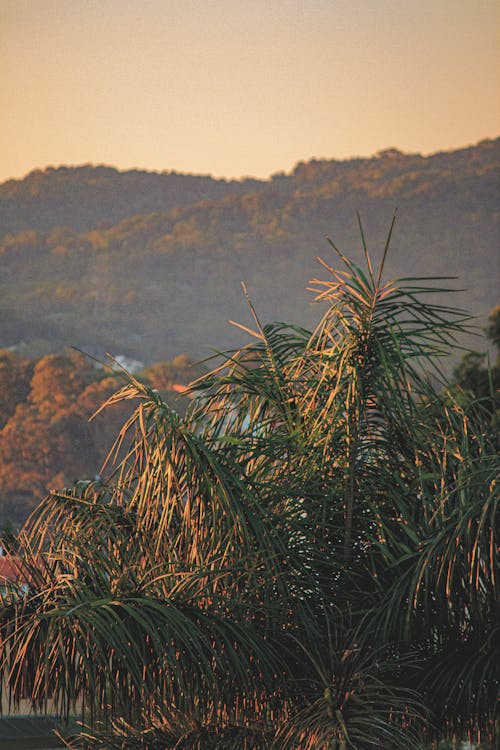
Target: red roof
<point x="179" y="388"/>
<point x="9" y="569"/>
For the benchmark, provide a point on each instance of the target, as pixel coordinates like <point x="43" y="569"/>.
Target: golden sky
<point x="242" y="87"/>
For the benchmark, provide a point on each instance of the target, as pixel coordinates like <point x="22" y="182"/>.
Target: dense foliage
<point x="46" y="438"/>
<point x="306" y="561"/>
<point x="162" y="274"/>
<point x="478" y="373"/>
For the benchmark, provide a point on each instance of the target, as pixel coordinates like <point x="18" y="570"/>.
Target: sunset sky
<point x="242" y="87"/>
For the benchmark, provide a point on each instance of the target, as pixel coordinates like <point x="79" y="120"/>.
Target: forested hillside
<point x="84" y="197"/>
<point x="166" y="277"/>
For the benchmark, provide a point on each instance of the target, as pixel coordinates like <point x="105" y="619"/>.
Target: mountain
<point x="149" y="265"/>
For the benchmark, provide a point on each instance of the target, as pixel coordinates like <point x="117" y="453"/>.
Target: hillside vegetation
<point x="149" y="265"/>
<point x="84" y="197"/>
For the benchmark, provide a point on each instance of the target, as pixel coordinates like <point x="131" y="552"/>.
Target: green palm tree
<point x="305" y="560"/>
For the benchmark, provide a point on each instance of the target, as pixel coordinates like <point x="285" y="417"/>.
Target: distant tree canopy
<point x="476" y="373"/>
<point x="46" y="439"/>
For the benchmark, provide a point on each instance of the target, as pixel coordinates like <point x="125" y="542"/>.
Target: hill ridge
<point x="150" y="284"/>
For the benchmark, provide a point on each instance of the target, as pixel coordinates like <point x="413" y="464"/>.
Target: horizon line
<point x="242" y="178"/>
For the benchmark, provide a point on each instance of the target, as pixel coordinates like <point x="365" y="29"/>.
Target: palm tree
<point x="305" y="560"/>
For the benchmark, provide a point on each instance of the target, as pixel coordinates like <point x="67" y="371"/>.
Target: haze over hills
<point x="149" y="265"/>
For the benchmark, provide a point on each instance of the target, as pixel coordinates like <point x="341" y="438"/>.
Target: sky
<point x="239" y="88"/>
